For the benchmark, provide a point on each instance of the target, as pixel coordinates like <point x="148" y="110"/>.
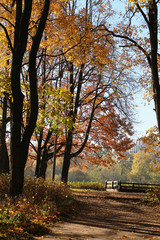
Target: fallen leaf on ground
<point x="124" y="236"/>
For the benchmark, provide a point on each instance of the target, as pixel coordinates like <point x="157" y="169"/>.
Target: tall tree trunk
<point x="43" y="168"/>
<point x="54" y="158"/>
<point x="39" y="152"/>
<point x="20" y="43"/>
<point x="20" y="144"/>
<point x="153" y="29"/>
<point x="67" y="158"/>
<point x="4" y="159"/>
<point x="6" y="165"/>
<point x="73" y="115"/>
<point x="44" y="157"/>
<point x="68" y="155"/>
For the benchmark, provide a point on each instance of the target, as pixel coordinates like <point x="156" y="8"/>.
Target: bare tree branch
<point x="130" y="40"/>
<point x="5" y="8"/>
<point x="7" y="36"/>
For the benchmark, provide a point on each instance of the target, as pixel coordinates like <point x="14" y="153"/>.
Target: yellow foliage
<point x="5" y="83"/>
<point x="152" y="146"/>
<point x="54" y="103"/>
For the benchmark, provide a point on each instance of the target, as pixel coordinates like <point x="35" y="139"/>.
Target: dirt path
<point x="109" y="216"/>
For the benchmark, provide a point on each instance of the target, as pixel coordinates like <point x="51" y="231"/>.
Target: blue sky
<point x="145" y="115"/>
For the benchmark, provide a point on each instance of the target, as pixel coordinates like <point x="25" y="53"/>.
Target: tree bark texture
<point x="39" y="153"/>
<point x="153" y="29"/>
<point x="4" y="158"/>
<point x="19" y="143"/>
<point x="66" y="160"/>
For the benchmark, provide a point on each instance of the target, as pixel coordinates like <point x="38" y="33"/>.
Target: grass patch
<point x="87" y="185"/>
<point x="41" y="204"/>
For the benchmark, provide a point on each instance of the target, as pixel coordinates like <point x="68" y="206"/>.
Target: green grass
<point x="42" y="204"/>
<point x="87" y="185"/>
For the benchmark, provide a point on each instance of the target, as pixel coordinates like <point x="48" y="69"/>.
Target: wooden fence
<point x="129" y="187"/>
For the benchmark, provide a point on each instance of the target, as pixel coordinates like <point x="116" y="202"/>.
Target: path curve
<point x="109" y="216"/>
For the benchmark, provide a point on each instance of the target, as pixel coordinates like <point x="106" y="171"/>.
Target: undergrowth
<point x="41" y="204"/>
<point x="152" y="196"/>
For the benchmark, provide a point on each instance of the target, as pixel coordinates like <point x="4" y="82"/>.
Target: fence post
<point x="119" y="185"/>
<point x="112" y="184"/>
<point x="106" y="185"/>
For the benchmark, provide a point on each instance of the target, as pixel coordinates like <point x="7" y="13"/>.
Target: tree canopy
<point x="68" y="75"/>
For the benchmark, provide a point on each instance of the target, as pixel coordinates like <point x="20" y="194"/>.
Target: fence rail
<point x="129" y="187"/>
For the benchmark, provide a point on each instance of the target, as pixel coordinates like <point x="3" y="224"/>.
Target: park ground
<point x="105" y="215"/>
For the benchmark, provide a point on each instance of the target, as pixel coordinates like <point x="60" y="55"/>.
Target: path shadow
<point x="121" y="225"/>
<point x="123" y="218"/>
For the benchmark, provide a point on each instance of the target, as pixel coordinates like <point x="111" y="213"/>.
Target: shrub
<point x="153" y="195"/>
<point x="41" y="204"/>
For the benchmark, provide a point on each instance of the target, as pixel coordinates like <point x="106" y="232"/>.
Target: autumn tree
<point x="87" y="72"/>
<point x="93" y="90"/>
<point x="54" y="101"/>
<point x="151" y="146"/>
<point x="18" y="46"/>
<point x="94" y="100"/>
<point x="85" y="55"/>
<point x="142" y="169"/>
<point x="5" y="107"/>
<point x="51" y="123"/>
<point x="138" y="32"/>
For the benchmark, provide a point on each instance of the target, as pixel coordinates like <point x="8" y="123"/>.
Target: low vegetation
<point x="87" y="185"/>
<point x="42" y="204"/>
<point x="153" y="196"/>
